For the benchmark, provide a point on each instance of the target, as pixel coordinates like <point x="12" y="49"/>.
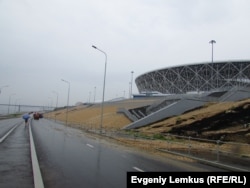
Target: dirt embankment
<point x="228" y="121"/>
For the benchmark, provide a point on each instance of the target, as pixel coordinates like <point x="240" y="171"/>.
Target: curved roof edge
<point x="189" y="64"/>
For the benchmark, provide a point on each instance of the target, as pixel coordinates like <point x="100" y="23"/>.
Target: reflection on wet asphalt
<point x="15" y="162"/>
<point x="70" y="158"/>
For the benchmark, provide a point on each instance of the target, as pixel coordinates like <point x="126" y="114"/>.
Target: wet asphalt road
<point x="15" y="162"/>
<point x="70" y="158"/>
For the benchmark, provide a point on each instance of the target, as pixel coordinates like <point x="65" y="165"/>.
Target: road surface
<point x="71" y="158"/>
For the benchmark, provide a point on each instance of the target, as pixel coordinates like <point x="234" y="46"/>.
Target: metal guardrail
<point x="233" y="156"/>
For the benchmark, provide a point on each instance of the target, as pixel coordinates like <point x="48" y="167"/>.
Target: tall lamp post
<point x="94" y="93"/>
<point x="67" y="101"/>
<point x="56" y="98"/>
<point x="9" y="102"/>
<point x="131" y="94"/>
<point x="16" y="104"/>
<point x="51" y="103"/>
<point x="212" y="42"/>
<point x="129" y="89"/>
<point x="103" y="85"/>
<point x="3" y="87"/>
<point x="89" y="96"/>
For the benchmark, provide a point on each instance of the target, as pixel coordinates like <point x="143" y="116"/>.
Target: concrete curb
<point x="38" y="180"/>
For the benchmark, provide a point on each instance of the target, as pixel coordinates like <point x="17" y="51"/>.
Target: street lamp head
<point x="4" y="86"/>
<point x="94" y="46"/>
<point x="212" y="41"/>
<point x="65" y="81"/>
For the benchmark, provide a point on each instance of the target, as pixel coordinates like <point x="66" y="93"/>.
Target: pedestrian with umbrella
<point x="26" y="118"/>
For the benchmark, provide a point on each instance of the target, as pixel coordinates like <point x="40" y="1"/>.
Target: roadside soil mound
<point x="227" y="121"/>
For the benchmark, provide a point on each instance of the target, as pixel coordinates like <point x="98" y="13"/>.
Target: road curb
<point x="38" y="180"/>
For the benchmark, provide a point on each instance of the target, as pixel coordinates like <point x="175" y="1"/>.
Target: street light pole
<point x="51" y="103"/>
<point x="129" y="89"/>
<point x="3" y="87"/>
<point x="16" y="104"/>
<point x="67" y="101"/>
<point x="212" y="42"/>
<point x="94" y="93"/>
<point x="103" y="86"/>
<point x="89" y="96"/>
<point x="9" y="103"/>
<point x="131" y="94"/>
<point x="56" y="98"/>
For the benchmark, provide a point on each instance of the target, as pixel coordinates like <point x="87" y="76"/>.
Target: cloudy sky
<point x="44" y="41"/>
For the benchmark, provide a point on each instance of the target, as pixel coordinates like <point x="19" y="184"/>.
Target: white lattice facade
<point x="203" y="77"/>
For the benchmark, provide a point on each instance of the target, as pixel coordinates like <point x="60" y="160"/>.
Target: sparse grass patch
<point x="159" y="137"/>
<point x="178" y="120"/>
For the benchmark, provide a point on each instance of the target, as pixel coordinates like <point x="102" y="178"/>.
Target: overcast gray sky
<point x="44" y="41"/>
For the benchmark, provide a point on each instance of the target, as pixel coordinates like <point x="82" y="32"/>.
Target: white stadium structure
<point x="195" y="78"/>
<point x="179" y="89"/>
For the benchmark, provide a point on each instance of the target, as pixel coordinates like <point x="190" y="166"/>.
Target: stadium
<point x="179" y="89"/>
<point x="196" y="78"/>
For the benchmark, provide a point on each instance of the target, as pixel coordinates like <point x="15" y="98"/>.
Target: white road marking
<point x="124" y="156"/>
<point x="90" y="145"/>
<point x="7" y="134"/>
<point x="138" y="169"/>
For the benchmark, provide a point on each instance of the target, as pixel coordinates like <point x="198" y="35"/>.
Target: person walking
<point x="26" y="118"/>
